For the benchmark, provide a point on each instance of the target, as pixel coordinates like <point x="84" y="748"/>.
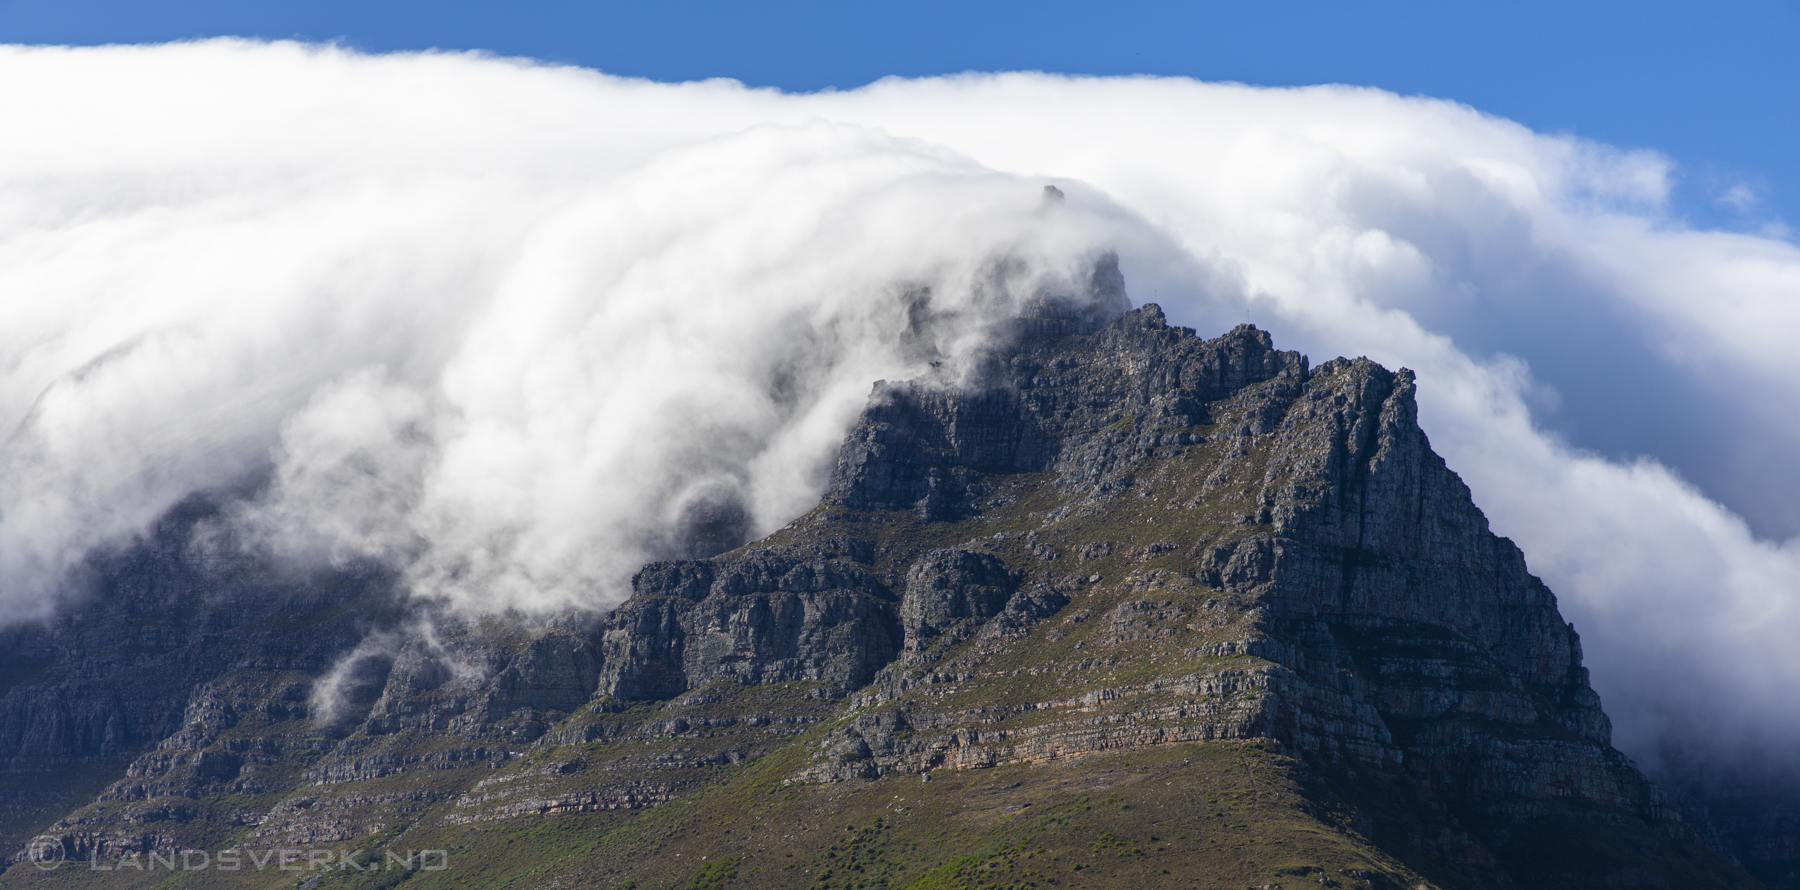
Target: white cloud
<point x="1740" y="196"/>
<point x="504" y="320"/>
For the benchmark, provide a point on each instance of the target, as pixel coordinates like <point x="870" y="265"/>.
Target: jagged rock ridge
<point x="1110" y="538"/>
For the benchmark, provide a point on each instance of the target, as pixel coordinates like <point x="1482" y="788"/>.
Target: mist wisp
<point x="517" y="328"/>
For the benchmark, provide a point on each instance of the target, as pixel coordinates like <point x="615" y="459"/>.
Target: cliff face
<point x="1109" y="552"/>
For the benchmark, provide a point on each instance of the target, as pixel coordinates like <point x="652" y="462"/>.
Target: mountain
<point x="1113" y="605"/>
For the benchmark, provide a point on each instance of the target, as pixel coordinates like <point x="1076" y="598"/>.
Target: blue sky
<point x="1716" y="86"/>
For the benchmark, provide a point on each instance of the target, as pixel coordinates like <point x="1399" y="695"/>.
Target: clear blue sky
<point x="1714" y="85"/>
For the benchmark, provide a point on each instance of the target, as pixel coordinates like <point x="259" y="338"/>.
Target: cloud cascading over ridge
<point x="508" y="324"/>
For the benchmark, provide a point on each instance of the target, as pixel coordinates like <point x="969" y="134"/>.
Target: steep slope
<point x="1117" y="605"/>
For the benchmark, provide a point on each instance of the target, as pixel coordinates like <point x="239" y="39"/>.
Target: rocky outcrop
<point x="950" y="588"/>
<point x="758" y="617"/>
<point x="927" y="444"/>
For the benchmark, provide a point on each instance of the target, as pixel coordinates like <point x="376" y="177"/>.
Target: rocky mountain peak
<point x="1124" y="605"/>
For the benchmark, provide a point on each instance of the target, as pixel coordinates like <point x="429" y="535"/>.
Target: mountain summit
<point x="1114" y="605"/>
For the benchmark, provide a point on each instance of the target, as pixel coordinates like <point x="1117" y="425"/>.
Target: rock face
<point x="1108" y="545"/>
<point x="764" y="617"/>
<point x="947" y="589"/>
